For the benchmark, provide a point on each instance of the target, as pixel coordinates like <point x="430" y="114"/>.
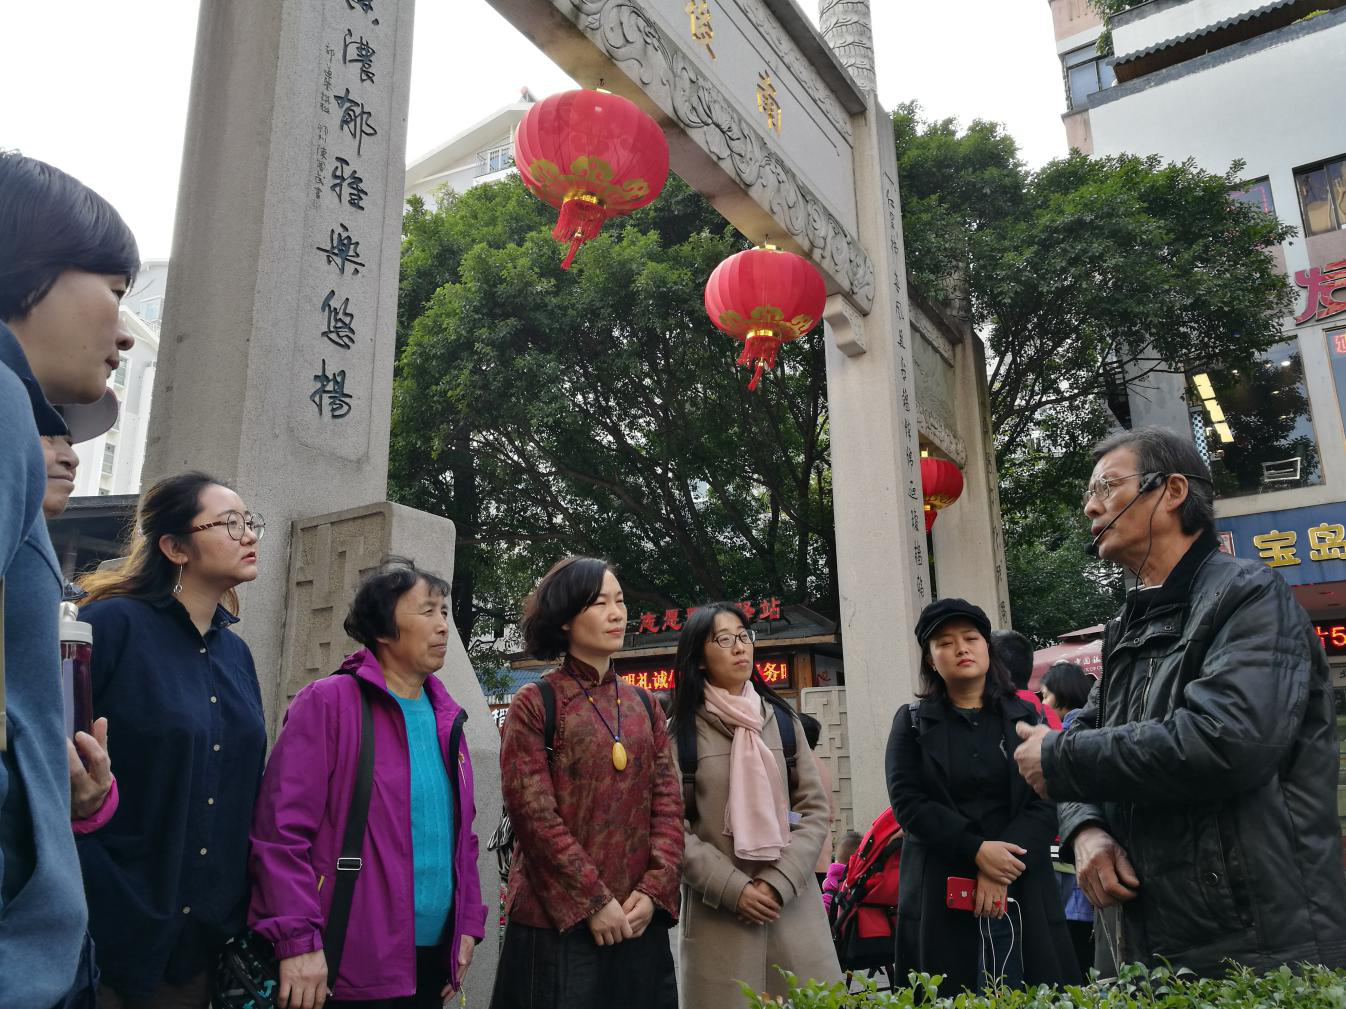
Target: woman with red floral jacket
<point x="593" y="889"/>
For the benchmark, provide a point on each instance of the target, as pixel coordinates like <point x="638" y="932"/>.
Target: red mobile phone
<point x="961" y="894"/>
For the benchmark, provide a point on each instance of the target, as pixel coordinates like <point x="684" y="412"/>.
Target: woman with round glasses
<point x="754" y="823"/>
<point x="167" y="877"/>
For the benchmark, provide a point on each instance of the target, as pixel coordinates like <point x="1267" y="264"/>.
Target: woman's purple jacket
<point x="299" y="819"/>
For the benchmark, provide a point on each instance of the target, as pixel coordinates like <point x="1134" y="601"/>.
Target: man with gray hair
<point x="1197" y="787"/>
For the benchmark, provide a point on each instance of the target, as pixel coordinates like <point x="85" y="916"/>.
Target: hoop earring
<point x="177" y="589"/>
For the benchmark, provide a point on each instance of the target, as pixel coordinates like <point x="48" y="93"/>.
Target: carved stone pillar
<point x="848" y="29"/>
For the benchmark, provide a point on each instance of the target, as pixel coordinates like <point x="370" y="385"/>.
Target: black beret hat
<point x="943" y="610"/>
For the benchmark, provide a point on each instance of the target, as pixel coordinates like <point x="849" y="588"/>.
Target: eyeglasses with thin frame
<point x="234" y="523"/>
<point x="1101" y="487"/>
<point x="726" y="640"/>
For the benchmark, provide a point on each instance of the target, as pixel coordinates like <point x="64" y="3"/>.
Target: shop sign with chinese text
<point x="1305" y="545"/>
<point x="672" y="620"/>
<point x="775" y="672"/>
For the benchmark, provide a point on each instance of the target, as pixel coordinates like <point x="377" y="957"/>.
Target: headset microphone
<point x="1150" y="482"/>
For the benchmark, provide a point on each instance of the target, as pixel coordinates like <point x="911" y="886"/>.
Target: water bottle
<point x="76" y="670"/>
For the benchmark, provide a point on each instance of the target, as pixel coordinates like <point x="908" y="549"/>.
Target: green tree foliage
<point x="1075" y="274"/>
<point x="598" y="411"/>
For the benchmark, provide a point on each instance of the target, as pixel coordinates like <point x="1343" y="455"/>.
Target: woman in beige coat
<point x="753" y="827"/>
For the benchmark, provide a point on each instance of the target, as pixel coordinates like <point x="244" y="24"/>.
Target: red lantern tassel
<point x="761" y="348"/>
<point x="581" y="219"/>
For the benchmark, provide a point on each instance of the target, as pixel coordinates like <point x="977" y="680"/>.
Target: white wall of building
<point x="1173" y="20"/>
<point x="111" y="463"/>
<point x="1263" y="107"/>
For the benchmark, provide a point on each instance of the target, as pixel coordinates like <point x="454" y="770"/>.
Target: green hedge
<point x="1137" y="988"/>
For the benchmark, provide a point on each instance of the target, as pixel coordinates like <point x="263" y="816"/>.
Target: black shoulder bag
<point x="248" y="973"/>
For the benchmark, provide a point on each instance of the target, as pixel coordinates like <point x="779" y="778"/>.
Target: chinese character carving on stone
<point x="356" y="49"/>
<point x="332" y="389"/>
<point x="356" y="119"/>
<point x="340" y="329"/>
<point x="342" y="250"/>
<point x="348" y="184"/>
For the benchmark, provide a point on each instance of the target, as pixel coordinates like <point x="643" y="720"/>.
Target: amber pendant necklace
<point x="618" y="750"/>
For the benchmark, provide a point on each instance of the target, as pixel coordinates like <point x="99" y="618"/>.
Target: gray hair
<point x="1159" y="450"/>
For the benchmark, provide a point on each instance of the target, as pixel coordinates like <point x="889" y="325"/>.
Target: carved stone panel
<point x="328" y="555"/>
<point x="828" y="705"/>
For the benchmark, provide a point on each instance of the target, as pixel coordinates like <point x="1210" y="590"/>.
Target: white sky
<point x="100" y="89"/>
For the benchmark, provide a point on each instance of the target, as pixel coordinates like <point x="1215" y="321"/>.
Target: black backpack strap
<point x="785" y="721"/>
<point x="548" y="693"/>
<point x="914" y="713"/>
<point x="685" y="734"/>
<point x="350" y="863"/>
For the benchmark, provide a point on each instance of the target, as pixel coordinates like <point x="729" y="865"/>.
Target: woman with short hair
<point x="754" y="824"/>
<point x="167" y="876"/>
<point x="597" y="812"/>
<point x="415" y="913"/>
<point x="66" y="260"/>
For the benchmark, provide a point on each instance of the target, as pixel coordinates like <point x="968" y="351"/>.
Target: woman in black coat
<point x="967" y="813"/>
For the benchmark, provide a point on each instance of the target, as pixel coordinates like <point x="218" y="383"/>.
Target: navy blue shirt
<point x="167" y="877"/>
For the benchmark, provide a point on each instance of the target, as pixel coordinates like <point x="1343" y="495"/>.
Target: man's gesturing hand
<point x="1104" y="872"/>
<point x="1028" y="755"/>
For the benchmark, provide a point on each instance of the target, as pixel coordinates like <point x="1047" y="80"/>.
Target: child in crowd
<point x="836" y="872"/>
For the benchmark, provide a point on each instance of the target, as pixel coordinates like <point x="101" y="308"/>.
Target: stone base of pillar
<point x="328" y="555"/>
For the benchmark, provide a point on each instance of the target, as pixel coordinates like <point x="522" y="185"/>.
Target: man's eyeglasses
<point x="726" y="640"/>
<point x="235" y="523"/>
<point x="1102" y="487"/>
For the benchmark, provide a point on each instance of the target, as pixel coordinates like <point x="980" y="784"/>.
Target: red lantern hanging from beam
<point x="941" y="485"/>
<point x="592" y="155"/>
<point x="765" y="297"/>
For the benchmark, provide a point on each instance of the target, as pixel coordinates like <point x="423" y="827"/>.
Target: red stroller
<point x="863" y="915"/>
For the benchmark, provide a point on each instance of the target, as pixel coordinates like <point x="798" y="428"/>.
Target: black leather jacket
<point x="1208" y="749"/>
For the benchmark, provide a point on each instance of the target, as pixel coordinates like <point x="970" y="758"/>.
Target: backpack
<point x="503" y="841"/>
<point x="863" y="916"/>
<point x="687" y="759"/>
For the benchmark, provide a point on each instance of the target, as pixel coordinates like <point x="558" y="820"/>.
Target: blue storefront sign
<point x="1307" y="546"/>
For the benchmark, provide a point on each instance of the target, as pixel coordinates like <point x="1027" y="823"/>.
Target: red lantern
<point x="765" y="297"/>
<point x="941" y="484"/>
<point x="592" y="155"/>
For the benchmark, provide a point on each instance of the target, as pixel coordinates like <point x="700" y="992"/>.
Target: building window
<point x="109" y="459"/>
<point x="1336" y="357"/>
<point x="151" y="309"/>
<point x="1258" y="194"/>
<point x="1086" y="72"/>
<point x="497" y="159"/>
<point x="1322" y="196"/>
<point x="1255" y="427"/>
<point x="119" y="376"/>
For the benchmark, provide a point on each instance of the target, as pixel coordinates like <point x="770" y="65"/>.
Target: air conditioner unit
<point x="1281" y="471"/>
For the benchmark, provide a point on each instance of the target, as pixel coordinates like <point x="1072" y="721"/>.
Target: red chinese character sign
<point x="941" y="485"/>
<point x="592" y="155"/>
<point x="765" y="297"/>
<point x="1321" y="287"/>
<point x="774" y="672"/>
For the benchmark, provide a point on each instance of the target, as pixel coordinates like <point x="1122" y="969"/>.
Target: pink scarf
<point x="757" y="815"/>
